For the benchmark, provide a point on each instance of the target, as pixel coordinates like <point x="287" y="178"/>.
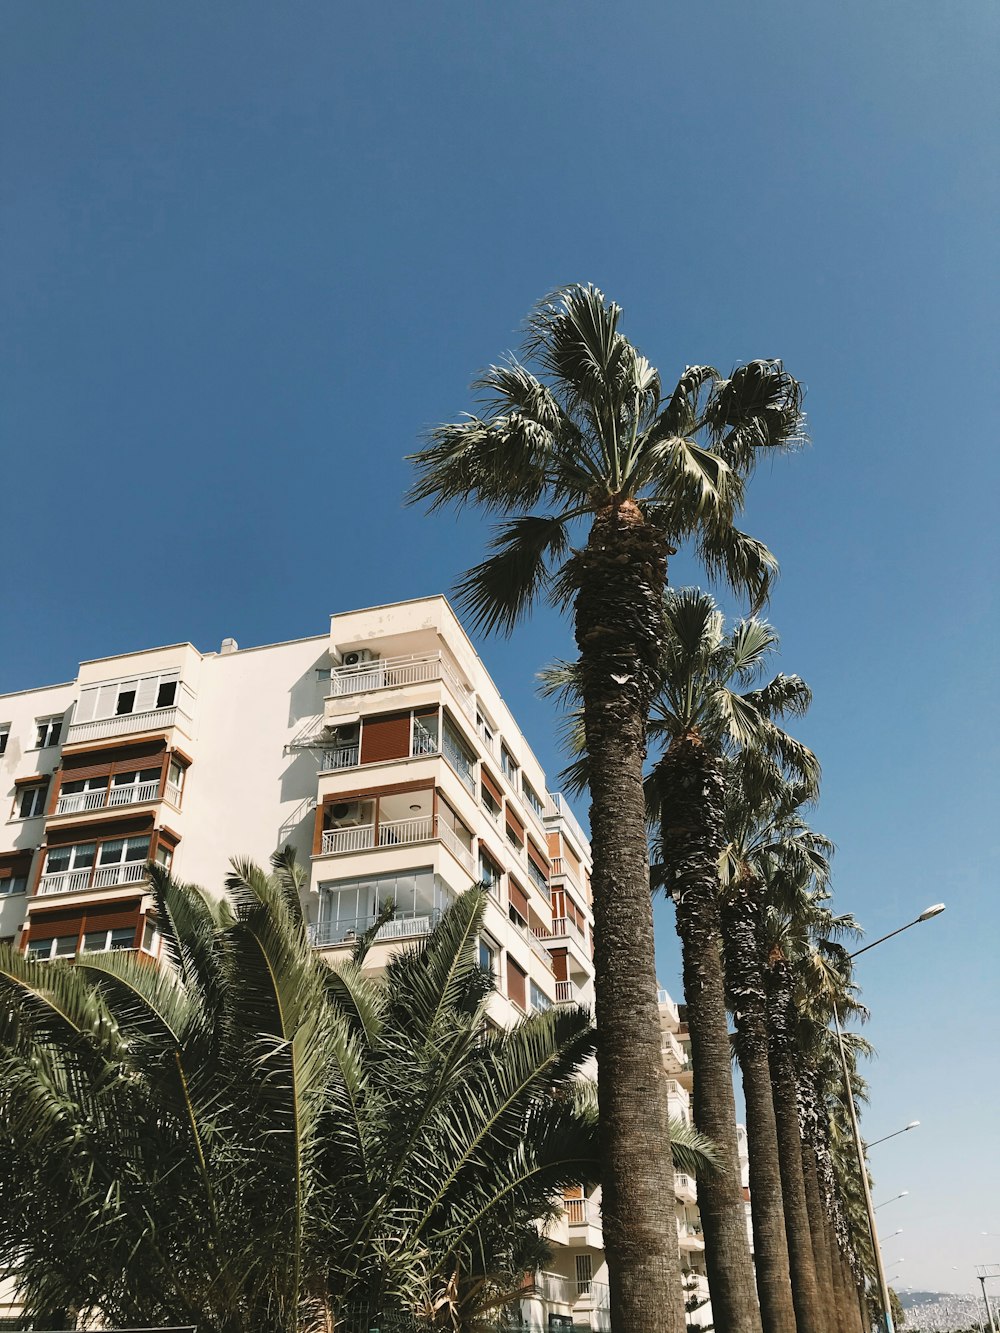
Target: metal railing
<point x="459" y="762"/>
<point x="403" y="927"/>
<point x="100" y="877"/>
<point x="664" y="1000"/>
<point x="395" y="833"/>
<point x="127" y="793"/>
<point x="174" y="794"/>
<point x="455" y="845"/>
<point x="536" y="877"/>
<point x="127" y="724"/>
<point x="391" y="673"/>
<point x="342" y="756"/>
<point x="675" y="1089"/>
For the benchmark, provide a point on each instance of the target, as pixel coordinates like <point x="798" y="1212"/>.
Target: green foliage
<point x="245" y="1137"/>
<point x="584" y="424"/>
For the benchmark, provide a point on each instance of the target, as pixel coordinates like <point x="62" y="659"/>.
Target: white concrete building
<point x="384" y="754"/>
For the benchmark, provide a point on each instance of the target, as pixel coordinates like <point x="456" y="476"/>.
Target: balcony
<point x="178" y="714"/>
<point x="666" y="1003"/>
<point x="93" y="877"/>
<point x="131" y="793"/>
<point x="396" y="833"/>
<point x="393" y="673"/>
<point x="568" y="992"/>
<point x="685" y="1187"/>
<point x="577" y="1211"/>
<point x="566" y="926"/>
<point x="330" y="934"/>
<point x="674" y="1059"/>
<point x="344" y="756"/>
<point x="557" y="807"/>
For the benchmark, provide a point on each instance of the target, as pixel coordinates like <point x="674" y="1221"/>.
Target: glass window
<point x="32" y="801"/>
<point x="489" y="802"/>
<point x="163" y="856"/>
<point x="126" y="701"/>
<point x="539" y="1000"/>
<point x="487" y="957"/>
<point x="531" y="796"/>
<point x="78" y="857"/>
<point x="48" y="730"/>
<point x="40" y="948"/>
<point x="83" y="784"/>
<point x="166" y="694"/>
<point x="507" y="763"/>
<point x="122" y="937"/>
<point x="4" y="736"/>
<point x="65" y="946"/>
<point x="14" y="884"/>
<point x="489" y="871"/>
<point x="175" y="773"/>
<point x="514" y="838"/>
<point x="425" y="734"/>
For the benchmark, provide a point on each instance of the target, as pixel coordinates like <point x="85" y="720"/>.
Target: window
<point x="322" y="673"/>
<point x="149" y="937"/>
<point x="532" y="797"/>
<point x="142" y="785"/>
<point x="126" y="698"/>
<point x="63" y="946"/>
<point x="489" y="801"/>
<point x="117" y="851"/>
<point x="348" y="907"/>
<point x="163" y="856"/>
<point x="508" y="764"/>
<point x="166" y="694"/>
<point x="489" y="872"/>
<point x="425" y="733"/>
<point x="4" y="736"/>
<point x="119" y="698"/>
<point x="584" y="1273"/>
<point x="48" y="731"/>
<point x="80" y="856"/>
<point x="13" y="884"/>
<point x="539" y="1000"/>
<point x="488" y="956"/>
<point x="32" y="802"/>
<point x="101" y="941"/>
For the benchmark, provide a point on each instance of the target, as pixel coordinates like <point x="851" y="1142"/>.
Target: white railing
<point x="567" y="992"/>
<point x="555" y="1287"/>
<point x="64" y="881"/>
<point x="174" y="794"/>
<point x="577" y="1211"/>
<point x="565" y="925"/>
<point x="392" y="833"/>
<point x="344" y="756"/>
<point x="669" y="1045"/>
<point x="356" y="838"/>
<point x="536" y="876"/>
<point x="128" y="872"/>
<point x="131" y="793"/>
<point x="392" y="673"/>
<point x="488" y="739"/>
<point x="558" y="808"/>
<point x="675" y="1089"/>
<point x="104" y="877"/>
<point x="423" y="741"/>
<point x="537" y="947"/>
<point x="157" y="719"/>
<point x="456" y="846"/>
<point x="665" y="1002"/>
<point x="684" y="1183"/>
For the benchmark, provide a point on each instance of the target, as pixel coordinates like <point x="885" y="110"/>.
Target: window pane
<point x="94" y="941"/>
<point x="66" y="946"/>
<point x="58" y="859"/>
<point x="111" y="852"/>
<point x="126" y="702"/>
<point x="148" y="774"/>
<point x="55" y="730"/>
<point x="122" y="937"/>
<point x="136" y="849"/>
<point x="83" y="855"/>
<point x="40" y="949"/>
<point x="166" y="694"/>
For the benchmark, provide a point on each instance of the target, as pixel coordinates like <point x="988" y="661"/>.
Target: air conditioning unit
<point x="359" y="656"/>
<point x="348" y="734"/>
<point x="346" y="814"/>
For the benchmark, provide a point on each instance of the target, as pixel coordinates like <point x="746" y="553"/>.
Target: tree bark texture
<point x="816" y="1141"/>
<point x="810" y="1296"/>
<point x="691" y="786"/>
<point x="745" y="982"/>
<point x="620" y="576"/>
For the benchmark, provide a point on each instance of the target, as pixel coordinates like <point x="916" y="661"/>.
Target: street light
<point x="883" y="1285"/>
<point x="914" y="1124"/>
<point x="901" y="1195"/>
<point x="897" y="1232"/>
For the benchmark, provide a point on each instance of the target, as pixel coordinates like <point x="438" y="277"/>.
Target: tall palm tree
<point x="711" y="706"/>
<point x="590" y="437"/>
<point x="242" y="1137"/>
<point x="765" y="834"/>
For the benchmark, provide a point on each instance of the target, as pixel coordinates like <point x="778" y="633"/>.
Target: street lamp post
<point x="914" y="1124"/>
<point x="859" y="1145"/>
<point x="902" y="1195"/>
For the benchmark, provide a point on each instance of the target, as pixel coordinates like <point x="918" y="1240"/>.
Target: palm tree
<point x="243" y="1137"/>
<point x="764" y="835"/>
<point x="706" y="712"/>
<point x="592" y="438"/>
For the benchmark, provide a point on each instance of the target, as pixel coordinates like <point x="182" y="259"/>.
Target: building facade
<point x="382" y="753"/>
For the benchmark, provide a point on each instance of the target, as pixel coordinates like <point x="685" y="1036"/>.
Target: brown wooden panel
<point x="94" y="830"/>
<point x="517" y="896"/>
<point x="15" y="863"/>
<point x="112" y="916"/>
<point x="571" y="857"/>
<point x="560" y="964"/>
<point x="76" y="920"/>
<point x="491" y="785"/>
<point x="516" y="979"/>
<point x="514" y="823"/>
<point x="535" y="855"/>
<point x="553" y="841"/>
<point x="35" y="780"/>
<point x="385" y="738"/>
<point x="95" y="763"/>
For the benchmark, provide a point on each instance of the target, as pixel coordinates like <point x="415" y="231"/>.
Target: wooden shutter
<point x="112" y="916"/>
<point x="516" y="989"/>
<point x="514" y="823"/>
<point x="535" y="855"/>
<point x="560" y="964"/>
<point x="47" y="925"/>
<point x="15" y="863"/>
<point x="87" y="704"/>
<point x="491" y="786"/>
<point x="517" y="897"/>
<point x="99" y="828"/>
<point x="145" y="694"/>
<point x="571" y="857"/>
<point x="385" y="738"/>
<point x="111" y="758"/>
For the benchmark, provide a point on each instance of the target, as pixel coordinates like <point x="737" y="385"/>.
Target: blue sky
<point x="251" y="251"/>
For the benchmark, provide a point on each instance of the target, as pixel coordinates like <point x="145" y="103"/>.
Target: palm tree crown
<point x="591" y="430"/>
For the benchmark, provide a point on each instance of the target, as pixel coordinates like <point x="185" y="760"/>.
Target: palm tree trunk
<point x="691" y="786"/>
<point x="817" y="1226"/>
<point x="620" y="577"/>
<point x="746" y="989"/>
<point x="810" y="1296"/>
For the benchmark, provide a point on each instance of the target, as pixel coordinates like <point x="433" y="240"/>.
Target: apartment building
<point x="380" y="751"/>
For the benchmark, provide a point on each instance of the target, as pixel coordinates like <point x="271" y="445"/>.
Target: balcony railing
<point x="665" y="1002"/>
<point x="99" y="877"/>
<point x="393" y="673"/>
<point x="557" y="807"/>
<point x="537" y="878"/>
<point x="567" y="992"/>
<point x="396" y="833"/>
<point x="127" y="724"/>
<point x="577" y="1211"/>
<point x="459" y="762"/>
<point x="565" y="925"/>
<point x="344" y="756"/>
<point x="130" y="793"/>
<point x="404" y="927"/>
